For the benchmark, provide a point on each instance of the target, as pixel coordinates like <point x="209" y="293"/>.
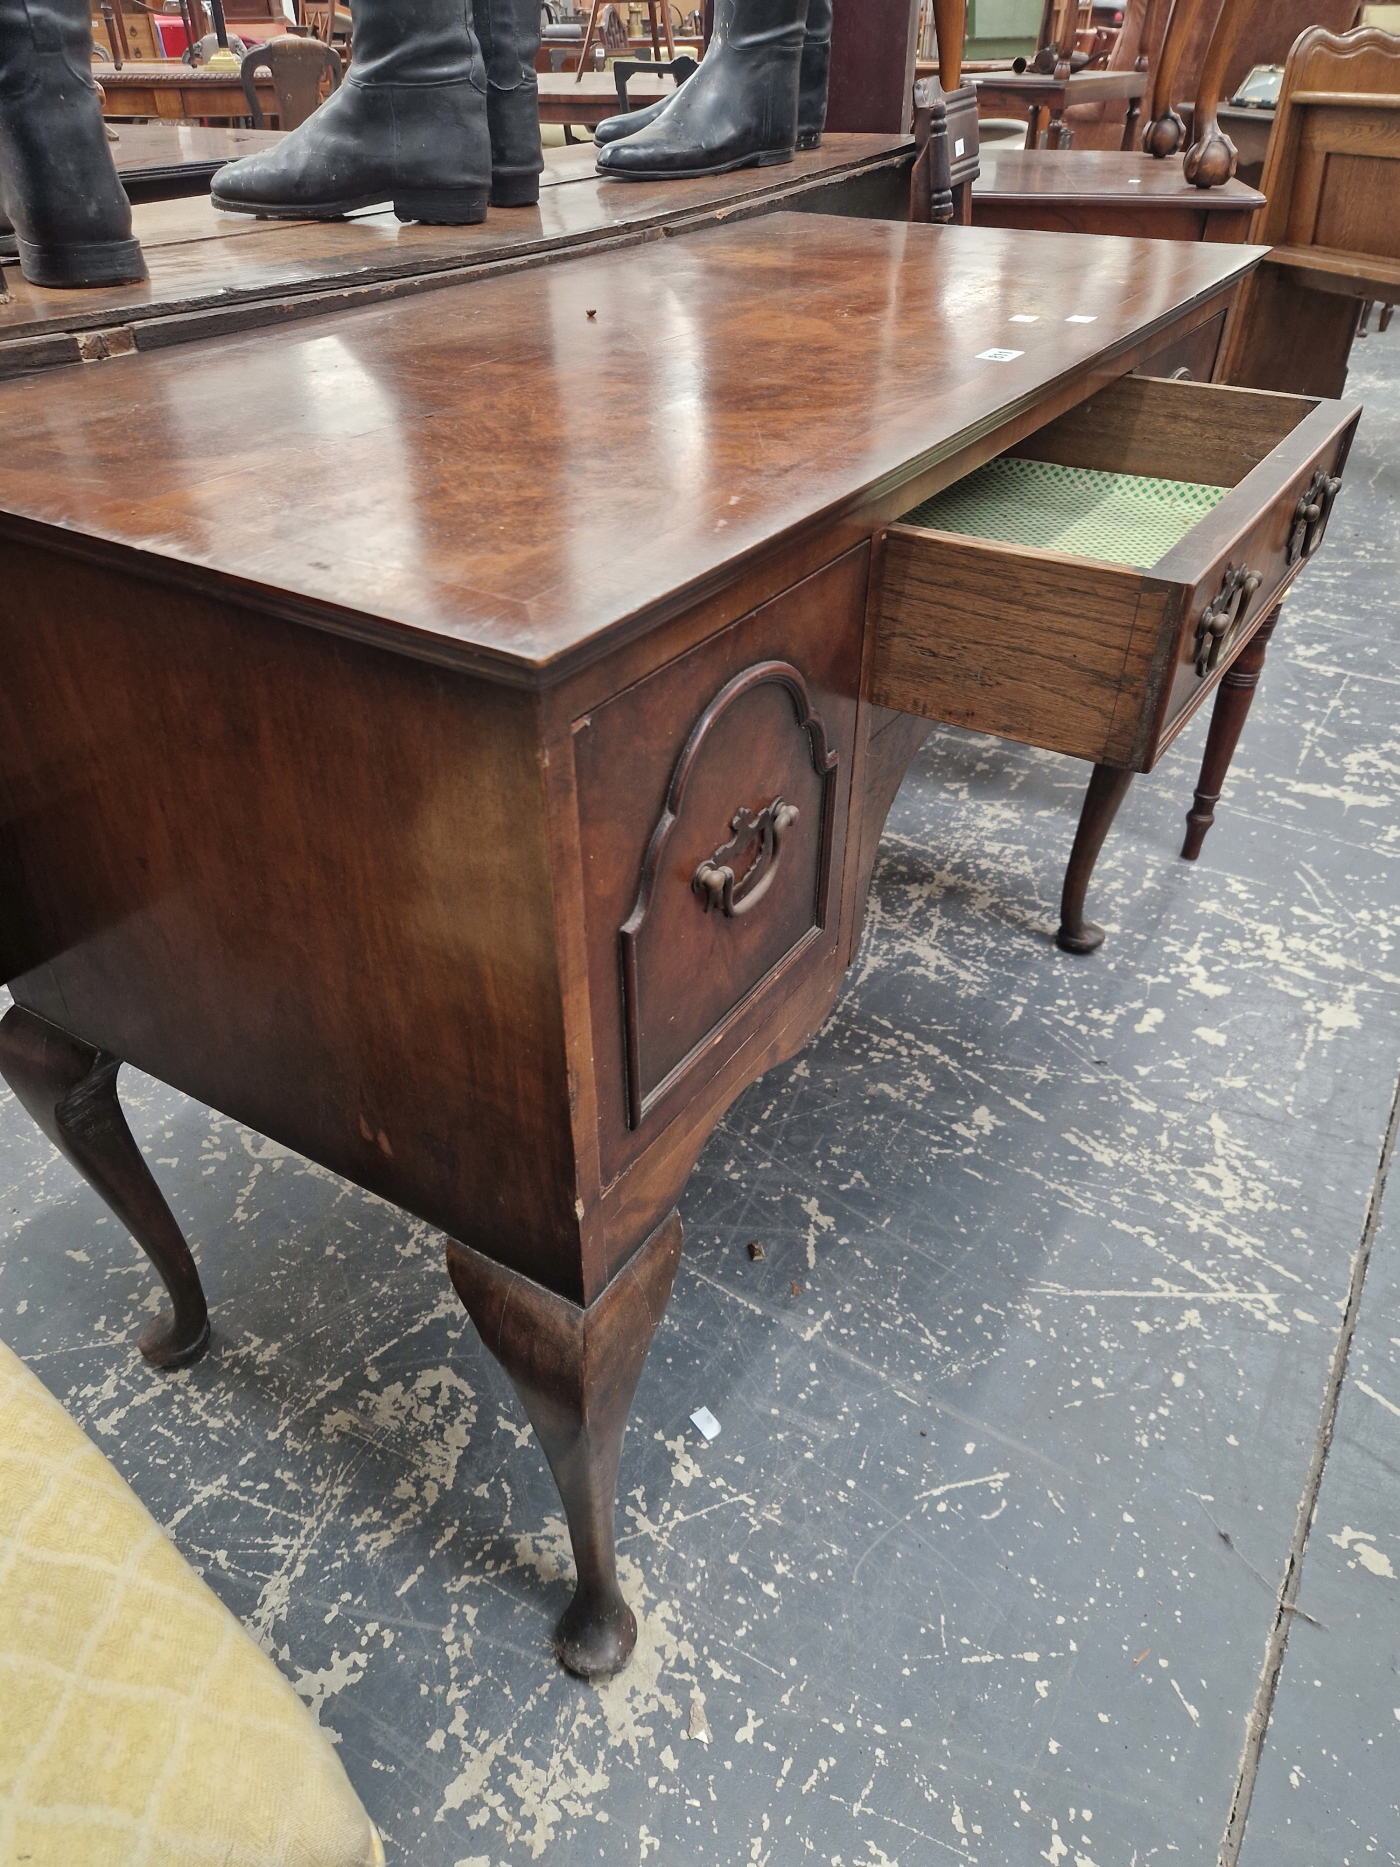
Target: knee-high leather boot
<point x="811" y="95"/>
<point x="71" y="217"/>
<point x="509" y="31"/>
<point x="409" y="125"/>
<point x="738" y="111"/>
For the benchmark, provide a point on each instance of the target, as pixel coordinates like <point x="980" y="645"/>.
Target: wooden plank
<point x="1003" y="639"/>
<point x="1178" y="430"/>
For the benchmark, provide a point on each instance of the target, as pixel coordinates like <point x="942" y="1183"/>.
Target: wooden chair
<point x="296" y="67"/>
<point x="1332" y="217"/>
<point x="654" y="9"/>
<point x="1179" y="41"/>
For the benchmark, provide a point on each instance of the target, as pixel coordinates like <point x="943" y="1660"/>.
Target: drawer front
<point x="1192" y="357"/>
<point x="1099" y="660"/>
<point x="1274" y="523"/>
<point x="713" y="800"/>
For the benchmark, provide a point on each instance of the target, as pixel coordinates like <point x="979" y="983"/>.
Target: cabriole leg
<point x="70" y="1089"/>
<point x="576" y="1371"/>
<point x="1233" y="699"/>
<point x="1107" y="789"/>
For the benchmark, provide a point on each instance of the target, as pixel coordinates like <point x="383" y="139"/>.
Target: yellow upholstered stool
<point x="138" y="1721"/>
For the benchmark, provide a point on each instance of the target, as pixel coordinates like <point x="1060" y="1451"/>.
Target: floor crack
<point x="1258" y="1724"/>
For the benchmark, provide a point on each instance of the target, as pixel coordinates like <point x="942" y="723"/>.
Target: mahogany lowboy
<point x="480" y="820"/>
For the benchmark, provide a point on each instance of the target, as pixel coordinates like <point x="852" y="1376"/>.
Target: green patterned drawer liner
<point x="1119" y="518"/>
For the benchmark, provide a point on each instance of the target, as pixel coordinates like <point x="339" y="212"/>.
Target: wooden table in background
<point x="1030" y="95"/>
<point x="567" y="100"/>
<point x="174" y="89"/>
<point x="1106" y="191"/>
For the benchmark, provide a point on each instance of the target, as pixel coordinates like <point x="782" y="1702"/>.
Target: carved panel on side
<point x="692" y="771"/>
<point x="759" y="744"/>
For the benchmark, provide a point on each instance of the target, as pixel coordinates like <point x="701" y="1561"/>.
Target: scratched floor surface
<point x="1017" y="1411"/>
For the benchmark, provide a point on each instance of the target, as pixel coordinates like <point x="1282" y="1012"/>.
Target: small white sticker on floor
<point x="1024" y="317"/>
<point x="704" y="1421"/>
<point x="999" y="356"/>
<point x="1079" y="318"/>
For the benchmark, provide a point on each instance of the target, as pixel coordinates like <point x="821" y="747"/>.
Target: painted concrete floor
<point x="1021" y="1410"/>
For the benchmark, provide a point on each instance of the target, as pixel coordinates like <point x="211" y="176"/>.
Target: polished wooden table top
<point x="1123" y="178"/>
<point x="515" y="474"/>
<point x="208" y="263"/>
<point x="1081" y="87"/>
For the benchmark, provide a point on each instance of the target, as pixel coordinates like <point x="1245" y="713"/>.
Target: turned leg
<point x="1055" y="134"/>
<point x="1107" y="789"/>
<point x="1233" y="698"/>
<point x="70" y="1089"/>
<point x="576" y="1371"/>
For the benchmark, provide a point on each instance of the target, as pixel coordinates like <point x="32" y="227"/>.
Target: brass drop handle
<point x="1311" y="514"/>
<point x="715" y="881"/>
<point x="1223" y="614"/>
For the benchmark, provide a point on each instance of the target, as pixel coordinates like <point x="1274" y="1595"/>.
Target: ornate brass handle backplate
<point x="1221" y="618"/>
<point x="715" y="880"/>
<point x="1311" y="514"/>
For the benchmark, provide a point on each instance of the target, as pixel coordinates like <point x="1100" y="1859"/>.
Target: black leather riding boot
<point x="811" y="95"/>
<point x="816" y="69"/>
<point x="71" y="217"/>
<point x="408" y="125"/>
<point x="509" y="31"/>
<point x="738" y="111"/>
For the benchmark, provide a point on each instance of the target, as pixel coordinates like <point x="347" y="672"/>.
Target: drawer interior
<point x="1123" y="477"/>
<point x="1118" y="518"/>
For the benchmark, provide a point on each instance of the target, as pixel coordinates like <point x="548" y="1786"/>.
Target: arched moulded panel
<point x="736" y="877"/>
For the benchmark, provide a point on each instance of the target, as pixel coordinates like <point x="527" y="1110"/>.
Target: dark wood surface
<point x="341" y="808"/>
<point x="872" y="64"/>
<point x="211" y="271"/>
<point x="1106" y="191"/>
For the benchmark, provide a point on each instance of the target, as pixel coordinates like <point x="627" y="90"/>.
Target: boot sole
<point x="772" y="158"/>
<point x="434" y="207"/>
<point x="98" y="262"/>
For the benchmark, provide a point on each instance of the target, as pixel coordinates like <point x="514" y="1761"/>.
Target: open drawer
<point x="1106" y="648"/>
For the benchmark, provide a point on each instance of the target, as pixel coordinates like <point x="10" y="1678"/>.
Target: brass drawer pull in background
<point x="1222" y="617"/>
<point x="1311" y="514"/>
<point x="714" y="881"/>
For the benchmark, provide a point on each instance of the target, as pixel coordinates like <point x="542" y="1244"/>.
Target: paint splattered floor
<point x="1021" y="1409"/>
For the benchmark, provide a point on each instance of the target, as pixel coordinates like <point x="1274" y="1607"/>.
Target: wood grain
<point x="1178" y="431"/>
<point x="1089" y="658"/>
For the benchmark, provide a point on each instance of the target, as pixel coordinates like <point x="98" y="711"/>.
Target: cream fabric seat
<point x="139" y="1724"/>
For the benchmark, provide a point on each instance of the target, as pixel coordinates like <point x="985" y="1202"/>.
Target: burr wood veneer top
<point x="511" y="473"/>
